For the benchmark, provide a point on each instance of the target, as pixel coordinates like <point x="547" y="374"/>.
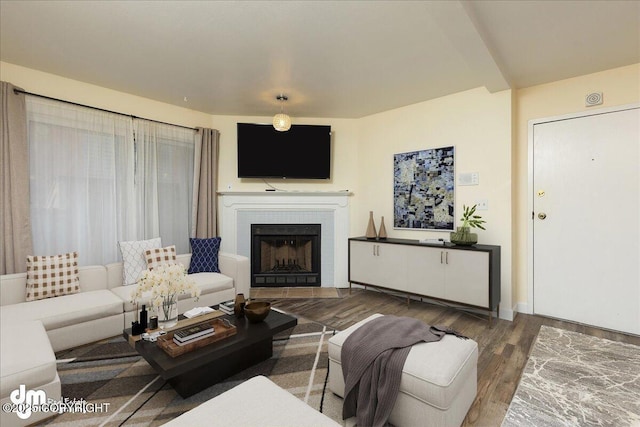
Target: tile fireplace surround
<point x="238" y="210"/>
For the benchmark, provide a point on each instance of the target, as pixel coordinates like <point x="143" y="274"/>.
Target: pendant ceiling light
<point x="281" y="121"/>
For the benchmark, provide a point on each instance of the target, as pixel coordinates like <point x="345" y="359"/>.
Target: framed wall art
<point x="423" y="189"/>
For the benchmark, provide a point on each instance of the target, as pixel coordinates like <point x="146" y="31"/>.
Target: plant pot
<point x="462" y="236"/>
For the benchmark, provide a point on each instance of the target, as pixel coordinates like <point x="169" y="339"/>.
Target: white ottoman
<point x="26" y="359"/>
<point x="257" y="402"/>
<point x="438" y="384"/>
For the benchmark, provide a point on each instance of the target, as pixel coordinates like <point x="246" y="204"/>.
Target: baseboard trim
<point x="524" y="308"/>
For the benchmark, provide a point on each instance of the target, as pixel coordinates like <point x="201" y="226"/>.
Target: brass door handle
<point x="542" y="215"/>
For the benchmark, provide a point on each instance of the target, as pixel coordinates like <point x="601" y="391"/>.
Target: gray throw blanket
<point x="372" y="360"/>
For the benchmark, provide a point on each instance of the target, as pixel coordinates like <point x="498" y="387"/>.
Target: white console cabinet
<point x="466" y="275"/>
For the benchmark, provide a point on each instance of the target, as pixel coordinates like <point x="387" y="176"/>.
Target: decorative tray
<point x="223" y="329"/>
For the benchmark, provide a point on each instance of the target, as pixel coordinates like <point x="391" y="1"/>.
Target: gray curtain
<point x="205" y="223"/>
<point x="15" y="222"/>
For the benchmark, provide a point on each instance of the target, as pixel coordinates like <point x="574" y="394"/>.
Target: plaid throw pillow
<point x="204" y="255"/>
<point x="52" y="276"/>
<point x="160" y="256"/>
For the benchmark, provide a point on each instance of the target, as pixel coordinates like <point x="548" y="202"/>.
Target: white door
<point x="586" y="220"/>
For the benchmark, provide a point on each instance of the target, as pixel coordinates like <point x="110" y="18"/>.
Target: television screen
<point x="302" y="152"/>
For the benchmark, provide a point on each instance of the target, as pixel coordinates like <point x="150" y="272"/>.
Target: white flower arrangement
<point x="165" y="283"/>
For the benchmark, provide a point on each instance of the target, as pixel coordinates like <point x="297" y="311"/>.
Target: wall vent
<point x="594" y="98"/>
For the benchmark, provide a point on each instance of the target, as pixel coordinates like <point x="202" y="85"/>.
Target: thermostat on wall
<point x="471" y="178"/>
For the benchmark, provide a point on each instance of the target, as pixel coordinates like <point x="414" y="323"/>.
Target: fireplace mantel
<point x="238" y="210"/>
<point x="286" y="193"/>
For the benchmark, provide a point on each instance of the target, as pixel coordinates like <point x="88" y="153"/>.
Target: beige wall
<point x="478" y="124"/>
<point x="620" y="86"/>
<point x="344" y="144"/>
<point x="489" y="132"/>
<point x="83" y="93"/>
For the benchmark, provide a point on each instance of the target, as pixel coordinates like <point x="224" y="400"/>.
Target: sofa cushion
<point x="207" y="282"/>
<point x="65" y="310"/>
<point x="204" y="255"/>
<point x="27" y="357"/>
<point x="133" y="258"/>
<point x="160" y="256"/>
<point x="256" y="402"/>
<point x="52" y="276"/>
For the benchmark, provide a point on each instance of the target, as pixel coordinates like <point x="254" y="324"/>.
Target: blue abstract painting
<point x="423" y="189"/>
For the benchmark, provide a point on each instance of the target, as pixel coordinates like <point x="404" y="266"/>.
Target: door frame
<point x="529" y="307"/>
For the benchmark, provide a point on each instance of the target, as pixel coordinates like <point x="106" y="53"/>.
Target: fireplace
<point x="285" y="255"/>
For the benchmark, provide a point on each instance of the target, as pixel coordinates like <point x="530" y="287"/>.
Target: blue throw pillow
<point x="204" y="255"/>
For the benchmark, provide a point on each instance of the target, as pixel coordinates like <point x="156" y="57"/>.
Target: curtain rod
<point x="99" y="109"/>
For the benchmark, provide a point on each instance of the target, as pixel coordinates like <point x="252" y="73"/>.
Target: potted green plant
<point x="463" y="235"/>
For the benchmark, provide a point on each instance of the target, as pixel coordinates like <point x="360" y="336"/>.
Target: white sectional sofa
<point x="234" y="278"/>
<point x="101" y="309"/>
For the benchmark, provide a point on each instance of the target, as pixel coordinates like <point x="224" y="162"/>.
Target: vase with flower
<point x="162" y="286"/>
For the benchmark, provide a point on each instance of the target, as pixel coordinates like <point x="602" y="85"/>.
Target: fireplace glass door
<point x="285" y="255"/>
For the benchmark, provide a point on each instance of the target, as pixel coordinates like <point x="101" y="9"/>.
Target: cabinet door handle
<point x="441" y="252"/>
<point x="378" y="250"/>
<point x="446" y="257"/>
<point x="374" y="250"/>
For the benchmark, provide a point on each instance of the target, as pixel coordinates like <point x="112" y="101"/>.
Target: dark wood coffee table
<point x="192" y="372"/>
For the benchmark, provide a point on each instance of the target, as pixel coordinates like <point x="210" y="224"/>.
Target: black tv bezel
<point x="282" y="176"/>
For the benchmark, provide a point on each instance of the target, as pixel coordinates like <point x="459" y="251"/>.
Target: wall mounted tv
<point x="302" y="152"/>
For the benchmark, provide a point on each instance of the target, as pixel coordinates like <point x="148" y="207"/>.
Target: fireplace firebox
<point x="285" y="255"/>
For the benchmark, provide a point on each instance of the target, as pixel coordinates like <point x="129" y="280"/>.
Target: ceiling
<point x="341" y="59"/>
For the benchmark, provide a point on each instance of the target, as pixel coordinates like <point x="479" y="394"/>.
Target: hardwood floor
<point x="503" y="348"/>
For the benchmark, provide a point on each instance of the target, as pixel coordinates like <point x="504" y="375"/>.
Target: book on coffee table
<point x="192" y="340"/>
<point x="226" y="307"/>
<point x="192" y="332"/>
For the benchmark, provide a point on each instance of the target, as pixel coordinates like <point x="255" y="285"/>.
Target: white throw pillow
<point x="134" y="259"/>
<point x="160" y="256"/>
<point x="52" y="276"/>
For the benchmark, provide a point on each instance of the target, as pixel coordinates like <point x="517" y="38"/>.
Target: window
<point x="93" y="184"/>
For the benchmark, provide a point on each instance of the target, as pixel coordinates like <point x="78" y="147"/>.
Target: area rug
<point x="572" y="379"/>
<point x="111" y="373"/>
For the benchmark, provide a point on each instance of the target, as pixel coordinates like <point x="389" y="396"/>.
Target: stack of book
<point x="226" y="307"/>
<point x="193" y="333"/>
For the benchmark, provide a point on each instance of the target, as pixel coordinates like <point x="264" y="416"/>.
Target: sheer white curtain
<point x="82" y="180"/>
<point x="164" y="182"/>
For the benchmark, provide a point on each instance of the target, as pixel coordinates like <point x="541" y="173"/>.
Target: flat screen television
<point x="302" y="152"/>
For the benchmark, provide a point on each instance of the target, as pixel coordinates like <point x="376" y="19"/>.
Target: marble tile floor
<point x="572" y="379"/>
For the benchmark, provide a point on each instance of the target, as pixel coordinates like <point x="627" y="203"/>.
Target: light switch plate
<point x="482" y="205"/>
